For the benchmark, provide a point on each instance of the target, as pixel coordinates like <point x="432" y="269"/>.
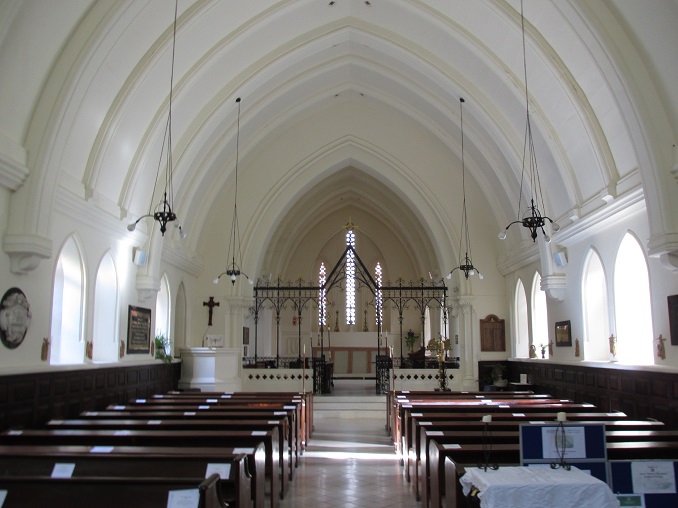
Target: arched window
<point x="521" y="323"/>
<point x="540" y="321"/>
<point x="67" y="307"/>
<point x="163" y="310"/>
<point x="632" y="304"/>
<point x="350" y="279"/>
<point x="595" y="308"/>
<point x="105" y="328"/>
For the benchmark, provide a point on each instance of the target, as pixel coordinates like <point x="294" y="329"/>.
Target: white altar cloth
<point x="537" y="487"/>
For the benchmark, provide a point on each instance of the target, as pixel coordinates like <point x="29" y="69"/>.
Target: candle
<point x="487" y="418"/>
<point x="561" y="417"/>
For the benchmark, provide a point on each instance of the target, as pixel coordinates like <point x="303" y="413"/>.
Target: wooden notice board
<point x="492" y="334"/>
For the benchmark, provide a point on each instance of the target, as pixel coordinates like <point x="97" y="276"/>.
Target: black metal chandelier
<point x="532" y="218"/>
<point x="233" y="270"/>
<point x="465" y="264"/>
<point x="164" y="212"/>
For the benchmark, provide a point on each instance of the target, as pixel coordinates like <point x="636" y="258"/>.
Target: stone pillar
<point x="235" y="308"/>
<point x="469" y="344"/>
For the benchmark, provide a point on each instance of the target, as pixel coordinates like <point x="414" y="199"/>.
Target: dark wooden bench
<point x="306" y="398"/>
<point x="292" y="409"/>
<point x="177" y="438"/>
<point x="38" y="491"/>
<point x="508" y="422"/>
<point x="410" y="443"/>
<point x="495" y="407"/>
<point x="140" y="462"/>
<point x="191" y="423"/>
<point x="398" y="405"/>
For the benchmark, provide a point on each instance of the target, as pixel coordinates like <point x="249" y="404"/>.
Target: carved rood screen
<point x="300" y="295"/>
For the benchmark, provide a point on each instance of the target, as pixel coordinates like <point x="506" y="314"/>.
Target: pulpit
<point x="211" y="369"/>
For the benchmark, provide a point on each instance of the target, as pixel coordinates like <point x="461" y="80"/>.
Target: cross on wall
<point x="211" y="304"/>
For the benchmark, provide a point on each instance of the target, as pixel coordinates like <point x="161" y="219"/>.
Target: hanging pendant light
<point x="532" y="218"/>
<point x="465" y="264"/>
<point x="233" y="270"/>
<point x="164" y="211"/>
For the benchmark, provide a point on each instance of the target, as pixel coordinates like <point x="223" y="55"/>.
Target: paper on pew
<point x="101" y="449"/>
<point x="223" y="470"/>
<point x="63" y="470"/>
<point x="3" y="495"/>
<point x="189" y="498"/>
<point x="246" y="451"/>
<point x="258" y="432"/>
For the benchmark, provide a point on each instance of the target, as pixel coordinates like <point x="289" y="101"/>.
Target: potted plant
<point x="411" y="339"/>
<point x="163" y="348"/>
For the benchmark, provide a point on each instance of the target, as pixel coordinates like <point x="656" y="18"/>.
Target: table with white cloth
<point x="537" y="487"/>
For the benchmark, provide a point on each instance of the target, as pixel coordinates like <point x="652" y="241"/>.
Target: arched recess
<point x="595" y="308"/>
<point x="105" y="325"/>
<point x="522" y="332"/>
<point x="68" y="304"/>
<point x="349" y="180"/>
<point x="179" y="321"/>
<point x="540" y="319"/>
<point x="163" y="310"/>
<point x="633" y="311"/>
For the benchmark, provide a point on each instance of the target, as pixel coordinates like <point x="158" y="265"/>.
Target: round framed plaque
<point x="15" y="317"/>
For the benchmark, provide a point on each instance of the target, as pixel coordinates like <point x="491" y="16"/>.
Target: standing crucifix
<point x="211" y="304"/>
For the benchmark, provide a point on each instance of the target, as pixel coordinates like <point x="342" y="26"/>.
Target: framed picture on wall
<point x="673" y="319"/>
<point x="563" y="334"/>
<point x="138" y="331"/>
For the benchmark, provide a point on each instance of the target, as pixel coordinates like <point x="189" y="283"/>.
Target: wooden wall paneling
<point x="640" y="394"/>
<point x="29" y="400"/>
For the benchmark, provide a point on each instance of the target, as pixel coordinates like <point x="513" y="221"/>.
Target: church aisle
<point x="350" y="462"/>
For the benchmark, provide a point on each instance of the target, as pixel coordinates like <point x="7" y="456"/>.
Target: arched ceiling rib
<point x="289" y="59"/>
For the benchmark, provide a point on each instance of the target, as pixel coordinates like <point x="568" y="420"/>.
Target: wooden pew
<point x="105" y="492"/>
<point x="491" y="407"/>
<point x="472" y="403"/>
<point x="306" y="398"/>
<point x="189" y="404"/>
<point x="513" y="423"/>
<point x="509" y="454"/>
<point x="216" y="413"/>
<point x="40" y="461"/>
<point x="190" y="423"/>
<point x="179" y="438"/>
<point x="410" y="444"/>
<point x="397" y="403"/>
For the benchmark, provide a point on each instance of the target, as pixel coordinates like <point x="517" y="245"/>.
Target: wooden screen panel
<point x="492" y="334"/>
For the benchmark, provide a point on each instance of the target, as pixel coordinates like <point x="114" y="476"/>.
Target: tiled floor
<point x="350" y="462"/>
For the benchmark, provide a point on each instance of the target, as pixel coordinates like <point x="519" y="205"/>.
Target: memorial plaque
<point x="138" y="331"/>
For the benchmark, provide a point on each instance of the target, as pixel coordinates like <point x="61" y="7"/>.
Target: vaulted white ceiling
<point x="340" y="100"/>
